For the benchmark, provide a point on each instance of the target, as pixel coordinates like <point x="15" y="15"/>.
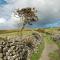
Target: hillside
<point x="42" y="44"/>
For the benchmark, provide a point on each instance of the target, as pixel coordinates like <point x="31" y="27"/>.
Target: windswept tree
<point x="28" y="15"/>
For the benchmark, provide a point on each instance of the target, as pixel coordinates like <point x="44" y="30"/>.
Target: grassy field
<point x="36" y="55"/>
<point x="54" y="56"/>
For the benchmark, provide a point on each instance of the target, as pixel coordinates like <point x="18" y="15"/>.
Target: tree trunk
<point x="22" y="30"/>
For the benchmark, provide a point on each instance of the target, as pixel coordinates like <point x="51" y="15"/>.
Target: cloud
<point x="47" y="10"/>
<point x="2" y="20"/>
<point x="7" y="9"/>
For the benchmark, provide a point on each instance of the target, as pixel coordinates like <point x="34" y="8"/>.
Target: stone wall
<point x="16" y="49"/>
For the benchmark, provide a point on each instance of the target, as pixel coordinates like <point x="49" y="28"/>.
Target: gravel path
<point x="48" y="49"/>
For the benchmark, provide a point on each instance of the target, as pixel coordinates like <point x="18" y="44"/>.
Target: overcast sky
<point x="48" y="12"/>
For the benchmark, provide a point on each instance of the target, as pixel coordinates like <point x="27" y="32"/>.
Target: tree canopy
<point x="27" y="13"/>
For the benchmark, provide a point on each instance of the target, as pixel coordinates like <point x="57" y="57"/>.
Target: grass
<point x="11" y="33"/>
<point x="54" y="56"/>
<point x="36" y="56"/>
<point x="48" y="39"/>
<point x="58" y="43"/>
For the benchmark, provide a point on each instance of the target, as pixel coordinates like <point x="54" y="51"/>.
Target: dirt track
<point x="48" y="49"/>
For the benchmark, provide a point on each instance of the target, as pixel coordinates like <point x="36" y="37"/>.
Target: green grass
<point x="48" y="39"/>
<point x="54" y="56"/>
<point x="16" y="33"/>
<point x="36" y="56"/>
<point x="58" y="43"/>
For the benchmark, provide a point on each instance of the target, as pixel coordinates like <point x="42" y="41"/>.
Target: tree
<point x="28" y="15"/>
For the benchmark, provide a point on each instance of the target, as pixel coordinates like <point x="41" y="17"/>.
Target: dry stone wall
<point x="17" y="49"/>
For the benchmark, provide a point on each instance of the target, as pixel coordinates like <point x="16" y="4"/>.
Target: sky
<point x="48" y="13"/>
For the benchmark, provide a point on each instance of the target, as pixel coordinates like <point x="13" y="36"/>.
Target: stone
<point x="1" y="49"/>
<point x="8" y="57"/>
<point x="1" y="55"/>
<point x="5" y="58"/>
<point x="1" y="59"/>
<point x="5" y="49"/>
<point x="16" y="59"/>
<point x="14" y="56"/>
